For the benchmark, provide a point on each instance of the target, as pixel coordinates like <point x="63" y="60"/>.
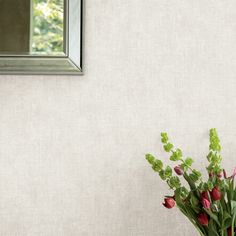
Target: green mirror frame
<point x="68" y="64"/>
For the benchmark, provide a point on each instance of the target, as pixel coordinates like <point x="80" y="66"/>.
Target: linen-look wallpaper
<point x="72" y="148"/>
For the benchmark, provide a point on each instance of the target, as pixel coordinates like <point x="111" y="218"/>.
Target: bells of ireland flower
<point x="169" y="203"/>
<point x="215" y="194"/>
<point x="203" y="219"/>
<point x="219" y="175"/>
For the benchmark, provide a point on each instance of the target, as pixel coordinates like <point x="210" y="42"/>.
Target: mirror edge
<point x="38" y="66"/>
<point x="48" y="65"/>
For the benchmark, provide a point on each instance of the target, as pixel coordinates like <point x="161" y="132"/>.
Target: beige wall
<point x="72" y="148"/>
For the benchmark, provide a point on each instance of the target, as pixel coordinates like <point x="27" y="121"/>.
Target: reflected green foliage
<point x="47" y="26"/>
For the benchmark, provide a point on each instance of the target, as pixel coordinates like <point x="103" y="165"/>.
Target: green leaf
<point x="209" y="156"/>
<point x="227" y="220"/>
<point x="194" y="200"/>
<point x="190" y="182"/>
<point x="197" y="173"/>
<point x="212" y="228"/>
<point x="233" y="218"/>
<point x="233" y="206"/>
<point x="227" y="223"/>
<point x="213" y="216"/>
<point x="193" y="177"/>
<point x="178" y="198"/>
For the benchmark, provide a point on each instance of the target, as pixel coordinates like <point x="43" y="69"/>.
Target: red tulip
<point x="215" y="194"/>
<point x="202" y="218"/>
<point x="204" y="195"/>
<point x="179" y="170"/>
<point x="205" y="203"/>
<point x="169" y="203"/>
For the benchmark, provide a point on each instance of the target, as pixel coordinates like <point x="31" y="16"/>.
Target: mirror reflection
<point x="32" y="27"/>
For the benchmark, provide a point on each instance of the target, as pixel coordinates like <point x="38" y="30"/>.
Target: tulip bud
<point x="225" y="175"/>
<point x="219" y="175"/>
<point x="214" y="207"/>
<point x="205" y="203"/>
<point x="215" y="194"/>
<point x="202" y="218"/>
<point x="179" y="170"/>
<point x="234" y="174"/>
<point x="169" y="203"/>
<point x="211" y="175"/>
<point x="204" y="195"/>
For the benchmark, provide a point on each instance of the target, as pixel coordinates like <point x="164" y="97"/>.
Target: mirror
<point x="40" y="36"/>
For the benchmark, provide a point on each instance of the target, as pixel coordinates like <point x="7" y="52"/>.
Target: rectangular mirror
<point x="40" y="36"/>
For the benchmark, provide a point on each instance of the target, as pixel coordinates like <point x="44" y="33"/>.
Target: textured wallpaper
<point x="72" y="148"/>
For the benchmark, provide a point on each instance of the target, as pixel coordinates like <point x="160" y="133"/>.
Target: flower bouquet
<point x="209" y="204"/>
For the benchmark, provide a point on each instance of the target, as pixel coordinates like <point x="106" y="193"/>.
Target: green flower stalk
<point x="210" y="205"/>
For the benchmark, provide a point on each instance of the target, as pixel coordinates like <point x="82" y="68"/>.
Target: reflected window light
<point x="47" y="27"/>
